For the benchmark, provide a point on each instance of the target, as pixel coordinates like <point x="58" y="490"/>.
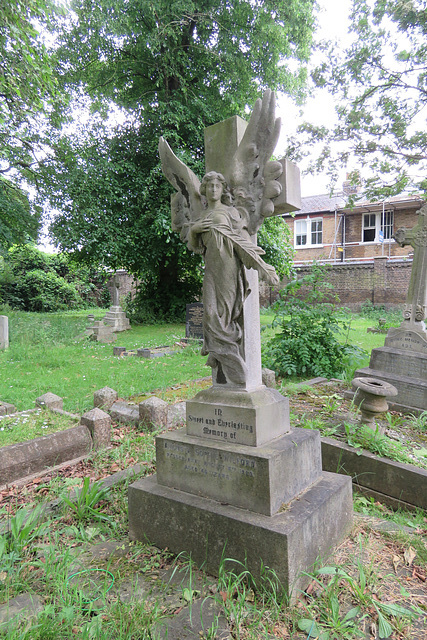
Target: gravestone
<point x="402" y="361"/>
<point x="237" y="482"/>
<point x="194" y="321"/>
<point x="116" y="317"/>
<point x="4" y="332"/>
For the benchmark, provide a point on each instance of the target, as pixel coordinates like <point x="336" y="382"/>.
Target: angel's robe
<point x="227" y="250"/>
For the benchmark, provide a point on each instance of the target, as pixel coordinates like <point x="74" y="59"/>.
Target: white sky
<point x="319" y="109"/>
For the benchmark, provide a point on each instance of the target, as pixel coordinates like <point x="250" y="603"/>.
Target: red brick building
<point x="367" y="264"/>
<point x="327" y="229"/>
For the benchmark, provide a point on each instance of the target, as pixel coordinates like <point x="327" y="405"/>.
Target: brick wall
<point x="127" y="284"/>
<point x="381" y="281"/>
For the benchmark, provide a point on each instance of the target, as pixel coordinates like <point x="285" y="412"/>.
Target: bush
<point x="307" y="343"/>
<point x="41" y="291"/>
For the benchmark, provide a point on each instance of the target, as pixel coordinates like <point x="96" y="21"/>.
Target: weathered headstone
<point x="228" y="484"/>
<point x="4" y="332"/>
<point x="194" y="321"/>
<point x="116" y="317"/>
<point x="402" y="361"/>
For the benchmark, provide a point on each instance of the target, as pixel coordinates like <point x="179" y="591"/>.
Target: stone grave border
<point x="393" y="483"/>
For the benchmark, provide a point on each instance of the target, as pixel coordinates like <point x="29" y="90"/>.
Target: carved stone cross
<point x="416" y="302"/>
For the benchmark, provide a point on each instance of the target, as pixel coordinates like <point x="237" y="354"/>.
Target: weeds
<point x="83" y="506"/>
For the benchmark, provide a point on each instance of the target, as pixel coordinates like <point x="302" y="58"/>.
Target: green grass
<point x="29" y="425"/>
<point x="44" y="356"/>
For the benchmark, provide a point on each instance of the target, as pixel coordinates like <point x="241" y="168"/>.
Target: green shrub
<point x="307" y="343"/>
<point x="45" y="291"/>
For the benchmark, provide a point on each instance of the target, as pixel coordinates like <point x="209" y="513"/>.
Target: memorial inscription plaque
<point x="194" y="321"/>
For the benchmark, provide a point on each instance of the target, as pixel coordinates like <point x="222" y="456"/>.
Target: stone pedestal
<point x="405" y="369"/>
<point x="238" y="483"/>
<point x="117" y="319"/>
<point x="4" y="332"/>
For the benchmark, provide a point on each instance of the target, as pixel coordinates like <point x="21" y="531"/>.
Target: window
<point x="308" y="232"/>
<point x="373" y="223"/>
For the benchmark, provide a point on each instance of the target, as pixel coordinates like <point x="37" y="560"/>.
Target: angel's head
<point x="215" y="187"/>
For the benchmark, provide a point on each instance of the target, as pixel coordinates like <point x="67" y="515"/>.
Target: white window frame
<point x="384" y="221"/>
<point x="308" y="227"/>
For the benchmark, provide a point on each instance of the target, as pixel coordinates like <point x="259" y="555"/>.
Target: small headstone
<point x="124" y="412"/>
<point x="103" y="332"/>
<point x="119" y="351"/>
<point x="91" y="318"/>
<point x="153" y="413"/>
<point x="4" y="332"/>
<point x="268" y="378"/>
<point x="176" y="414"/>
<point x="6" y="408"/>
<point x="104" y="398"/>
<point x="194" y="321"/>
<point x="99" y="424"/>
<point x="50" y="401"/>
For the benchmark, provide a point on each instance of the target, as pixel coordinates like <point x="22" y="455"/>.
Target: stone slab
<point x="402" y="482"/>
<point x="290" y="542"/>
<point x="412" y="392"/>
<point x="123" y="412"/>
<point x="24" y="605"/>
<point x="259" y="479"/>
<point x="194" y="320"/>
<point x="7" y="409"/>
<point x="250" y="418"/>
<point x="399" y="362"/>
<point x="4" y="332"/>
<point x="26" y="458"/>
<point x="194" y="623"/>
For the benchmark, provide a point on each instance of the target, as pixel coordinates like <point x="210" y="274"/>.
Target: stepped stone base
<point x="405" y="370"/>
<point x="260" y="479"/>
<point x="117" y="319"/>
<point x="289" y="543"/>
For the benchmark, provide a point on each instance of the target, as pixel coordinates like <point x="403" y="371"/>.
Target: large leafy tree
<point x="380" y="87"/>
<point x="27" y="84"/>
<point x="171" y="68"/>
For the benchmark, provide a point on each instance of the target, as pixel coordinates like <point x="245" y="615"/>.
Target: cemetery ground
<point x="85" y="578"/>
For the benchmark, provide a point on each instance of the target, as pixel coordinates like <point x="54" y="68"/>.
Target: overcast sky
<point x="333" y="23"/>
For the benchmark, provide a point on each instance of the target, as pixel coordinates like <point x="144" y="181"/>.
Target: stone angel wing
<point x="186" y="204"/>
<point x="253" y="176"/>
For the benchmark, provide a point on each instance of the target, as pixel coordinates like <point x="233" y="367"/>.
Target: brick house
<point x="367" y="264"/>
<point x="327" y="229"/>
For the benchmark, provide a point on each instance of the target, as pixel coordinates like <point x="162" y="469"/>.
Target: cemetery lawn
<point x="32" y="424"/>
<point x="45" y="355"/>
<point x="376" y="580"/>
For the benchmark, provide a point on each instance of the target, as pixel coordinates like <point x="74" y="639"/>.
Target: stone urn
<point x="371" y="396"/>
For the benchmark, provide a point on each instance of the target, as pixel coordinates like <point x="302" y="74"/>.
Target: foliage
<point x="27" y="90"/>
<point x="84" y="505"/>
<point x="380" y="85"/>
<point x="307" y="341"/>
<point x="35" y="281"/>
<point x="160" y="68"/>
<point x="275" y="238"/>
<point x="18" y="222"/>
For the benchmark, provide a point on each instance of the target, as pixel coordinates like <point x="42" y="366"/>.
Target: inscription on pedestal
<point x="228" y="423"/>
<point x="407" y="340"/>
<point x="260" y="479"/>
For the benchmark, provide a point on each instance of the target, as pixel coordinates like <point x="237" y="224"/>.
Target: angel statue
<point x="218" y="218"/>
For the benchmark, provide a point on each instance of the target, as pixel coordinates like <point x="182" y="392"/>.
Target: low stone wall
<point x="393" y="483"/>
<point x="35" y="456"/>
<point x="381" y="281"/>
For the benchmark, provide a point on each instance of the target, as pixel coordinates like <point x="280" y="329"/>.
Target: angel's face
<point x="214" y="190"/>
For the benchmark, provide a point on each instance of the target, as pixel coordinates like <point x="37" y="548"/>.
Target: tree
<point x="172" y="68"/>
<point x="18" y="222"/>
<point x="380" y="84"/>
<point x="27" y="82"/>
